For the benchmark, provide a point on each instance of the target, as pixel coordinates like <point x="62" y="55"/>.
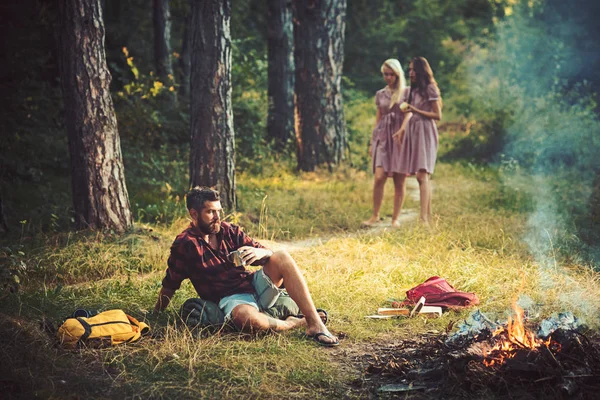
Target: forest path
<point x="407" y="215"/>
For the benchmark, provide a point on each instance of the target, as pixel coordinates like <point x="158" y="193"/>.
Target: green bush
<point x="250" y="105"/>
<point x="526" y="105"/>
<point x="147" y="111"/>
<point x="360" y="111"/>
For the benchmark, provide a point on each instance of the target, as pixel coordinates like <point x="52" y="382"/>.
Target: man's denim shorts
<point x="265" y="295"/>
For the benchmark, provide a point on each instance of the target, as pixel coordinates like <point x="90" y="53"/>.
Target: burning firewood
<point x="486" y="359"/>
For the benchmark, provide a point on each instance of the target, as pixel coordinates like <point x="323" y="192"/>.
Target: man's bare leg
<point x="281" y="268"/>
<point x="246" y="317"/>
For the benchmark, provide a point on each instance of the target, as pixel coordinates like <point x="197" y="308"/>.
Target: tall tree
<point x="280" y="37"/>
<point x="212" y="135"/>
<point x="162" y="38"/>
<point x="100" y="197"/>
<point x="3" y="224"/>
<point x="319" y="55"/>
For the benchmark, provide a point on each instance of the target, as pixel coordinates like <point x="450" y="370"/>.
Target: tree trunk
<point x="319" y="55"/>
<point x="100" y="196"/>
<point x="280" y="36"/>
<point x="3" y="224"/>
<point x="212" y="135"/>
<point x="162" y="38"/>
<point x="185" y="60"/>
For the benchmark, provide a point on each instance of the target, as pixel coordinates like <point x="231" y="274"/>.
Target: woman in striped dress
<point x="384" y="151"/>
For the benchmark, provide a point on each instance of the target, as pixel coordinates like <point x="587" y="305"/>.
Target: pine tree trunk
<point x="162" y="38"/>
<point x="280" y="35"/>
<point x="3" y="224"/>
<point x="212" y="135"/>
<point x="319" y="55"/>
<point x="100" y="197"/>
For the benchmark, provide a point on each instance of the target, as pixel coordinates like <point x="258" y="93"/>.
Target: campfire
<point x="509" y="340"/>
<point x="481" y="358"/>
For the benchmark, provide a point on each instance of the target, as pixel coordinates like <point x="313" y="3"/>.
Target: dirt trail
<point x="407" y="215"/>
<point x="353" y="358"/>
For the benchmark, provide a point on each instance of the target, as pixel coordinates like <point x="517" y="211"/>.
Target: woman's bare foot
<point x="395" y="223"/>
<point x="370" y="222"/>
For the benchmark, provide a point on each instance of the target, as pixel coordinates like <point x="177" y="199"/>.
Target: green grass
<point x="475" y="243"/>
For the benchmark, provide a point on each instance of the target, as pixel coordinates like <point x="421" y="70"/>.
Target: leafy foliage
<point x="519" y="81"/>
<point x="378" y="30"/>
<point x="359" y="110"/>
<point x="145" y="112"/>
<point x="249" y="98"/>
<point x="528" y="106"/>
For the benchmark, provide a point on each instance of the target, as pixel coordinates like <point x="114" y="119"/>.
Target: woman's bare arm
<point x="435" y="113"/>
<point x="398" y="135"/>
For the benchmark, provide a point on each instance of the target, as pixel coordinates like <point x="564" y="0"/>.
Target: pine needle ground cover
<point x="477" y="243"/>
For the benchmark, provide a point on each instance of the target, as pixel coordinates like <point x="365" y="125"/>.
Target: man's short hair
<point x="196" y="197"/>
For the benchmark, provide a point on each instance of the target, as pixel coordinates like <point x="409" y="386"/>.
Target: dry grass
<point x="475" y="244"/>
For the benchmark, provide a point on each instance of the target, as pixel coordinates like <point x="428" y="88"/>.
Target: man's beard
<point x="210" y="228"/>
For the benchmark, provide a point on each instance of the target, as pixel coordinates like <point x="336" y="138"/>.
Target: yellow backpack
<point x="108" y="328"/>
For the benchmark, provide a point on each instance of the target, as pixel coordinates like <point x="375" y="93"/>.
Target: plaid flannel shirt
<point x="211" y="273"/>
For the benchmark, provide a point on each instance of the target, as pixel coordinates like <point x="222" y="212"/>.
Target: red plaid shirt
<point x="212" y="275"/>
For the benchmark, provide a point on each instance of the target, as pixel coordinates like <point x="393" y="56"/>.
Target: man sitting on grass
<point x="200" y="253"/>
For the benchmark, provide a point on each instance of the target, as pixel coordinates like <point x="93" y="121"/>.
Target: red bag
<point x="438" y="292"/>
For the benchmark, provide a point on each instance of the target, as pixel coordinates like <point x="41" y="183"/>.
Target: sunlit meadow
<point x="476" y="243"/>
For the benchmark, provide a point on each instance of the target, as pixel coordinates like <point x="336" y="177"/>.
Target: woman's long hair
<point x="395" y="66"/>
<point x="424" y="77"/>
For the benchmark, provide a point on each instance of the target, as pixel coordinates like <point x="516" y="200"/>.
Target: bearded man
<point x="202" y="254"/>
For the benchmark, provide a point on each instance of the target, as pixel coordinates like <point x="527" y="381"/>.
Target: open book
<point x="419" y="309"/>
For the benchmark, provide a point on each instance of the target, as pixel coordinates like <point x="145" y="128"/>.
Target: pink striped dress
<point x="420" y="144"/>
<point x="384" y="150"/>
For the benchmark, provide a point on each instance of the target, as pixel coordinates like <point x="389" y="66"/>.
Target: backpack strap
<point x="87" y="328"/>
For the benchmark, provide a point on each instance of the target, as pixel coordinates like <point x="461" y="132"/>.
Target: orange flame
<point x="515" y="337"/>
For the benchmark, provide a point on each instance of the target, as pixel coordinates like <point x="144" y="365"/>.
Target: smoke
<point x="540" y="77"/>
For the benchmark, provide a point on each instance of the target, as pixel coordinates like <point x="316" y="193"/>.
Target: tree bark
<point x="3" y="224"/>
<point x="162" y="38"/>
<point x="100" y="199"/>
<point x="280" y="37"/>
<point x="319" y="55"/>
<point x="212" y="135"/>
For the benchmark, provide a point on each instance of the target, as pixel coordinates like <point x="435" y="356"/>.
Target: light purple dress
<point x="420" y="143"/>
<point x="384" y="150"/>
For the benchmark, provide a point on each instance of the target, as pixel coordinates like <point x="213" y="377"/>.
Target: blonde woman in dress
<point x="419" y="135"/>
<point x="384" y="151"/>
